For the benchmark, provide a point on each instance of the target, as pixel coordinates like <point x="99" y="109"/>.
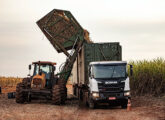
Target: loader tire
<point x="63" y="90"/>
<point x="26" y="82"/>
<point x="63" y="94"/>
<point x="19" y="94"/>
<point x="56" y="95"/>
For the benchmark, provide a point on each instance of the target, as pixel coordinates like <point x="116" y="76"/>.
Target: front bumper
<point x="106" y="97"/>
<point x="38" y="93"/>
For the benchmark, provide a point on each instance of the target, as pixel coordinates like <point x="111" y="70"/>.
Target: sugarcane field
<point x="82" y="60"/>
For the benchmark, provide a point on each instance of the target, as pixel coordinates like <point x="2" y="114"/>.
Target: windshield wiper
<point x="113" y="71"/>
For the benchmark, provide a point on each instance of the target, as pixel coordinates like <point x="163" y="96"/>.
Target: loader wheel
<point x="56" y="95"/>
<point x="19" y="94"/>
<point x="59" y="94"/>
<point x="26" y="82"/>
<point x="63" y="94"/>
<point x="66" y="93"/>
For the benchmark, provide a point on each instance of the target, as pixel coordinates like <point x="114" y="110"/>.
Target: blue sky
<point x="139" y="26"/>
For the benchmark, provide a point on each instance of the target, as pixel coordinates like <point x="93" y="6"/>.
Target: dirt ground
<point x="143" y="108"/>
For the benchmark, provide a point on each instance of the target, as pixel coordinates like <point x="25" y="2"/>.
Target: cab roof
<point x="44" y="63"/>
<point x="108" y="62"/>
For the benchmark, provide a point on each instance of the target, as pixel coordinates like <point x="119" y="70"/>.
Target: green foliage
<point x="148" y="77"/>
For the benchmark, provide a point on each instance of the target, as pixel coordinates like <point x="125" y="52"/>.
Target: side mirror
<point x="89" y="71"/>
<point x="92" y="76"/>
<point x="54" y="68"/>
<point x="30" y="67"/>
<point x="131" y="70"/>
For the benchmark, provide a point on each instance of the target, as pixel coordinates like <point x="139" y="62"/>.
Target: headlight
<point x="127" y="93"/>
<point x="95" y="94"/>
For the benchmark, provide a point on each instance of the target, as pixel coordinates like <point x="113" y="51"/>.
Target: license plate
<point x="112" y="98"/>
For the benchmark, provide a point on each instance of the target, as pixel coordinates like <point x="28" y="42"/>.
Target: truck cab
<point x="109" y="83"/>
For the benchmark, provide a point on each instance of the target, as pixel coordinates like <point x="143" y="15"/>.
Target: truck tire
<point x="56" y="95"/>
<point x="0" y="90"/>
<point x="74" y="90"/>
<point x="91" y="103"/>
<point x="124" y="104"/>
<point x="19" y="94"/>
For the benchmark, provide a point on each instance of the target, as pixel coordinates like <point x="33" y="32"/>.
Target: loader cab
<point x="46" y="68"/>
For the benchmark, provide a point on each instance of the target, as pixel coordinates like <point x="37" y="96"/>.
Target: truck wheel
<point x="91" y="104"/>
<point x="56" y="95"/>
<point x="75" y="90"/>
<point x="124" y="104"/>
<point x="19" y="94"/>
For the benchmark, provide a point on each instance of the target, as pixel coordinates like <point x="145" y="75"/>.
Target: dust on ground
<point x="143" y="108"/>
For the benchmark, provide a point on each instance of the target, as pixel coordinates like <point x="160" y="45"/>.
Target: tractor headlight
<point x="95" y="95"/>
<point x="127" y="93"/>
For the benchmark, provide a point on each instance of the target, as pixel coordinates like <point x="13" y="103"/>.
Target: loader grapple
<point x="61" y="29"/>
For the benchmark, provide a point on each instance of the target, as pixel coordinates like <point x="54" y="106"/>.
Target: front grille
<point x="37" y="81"/>
<point x="113" y="89"/>
<point x="119" y="87"/>
<point x="114" y="85"/>
<point x="107" y="95"/>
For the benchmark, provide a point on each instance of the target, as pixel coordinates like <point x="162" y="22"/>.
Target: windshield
<point x="109" y="71"/>
<point x="46" y="69"/>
